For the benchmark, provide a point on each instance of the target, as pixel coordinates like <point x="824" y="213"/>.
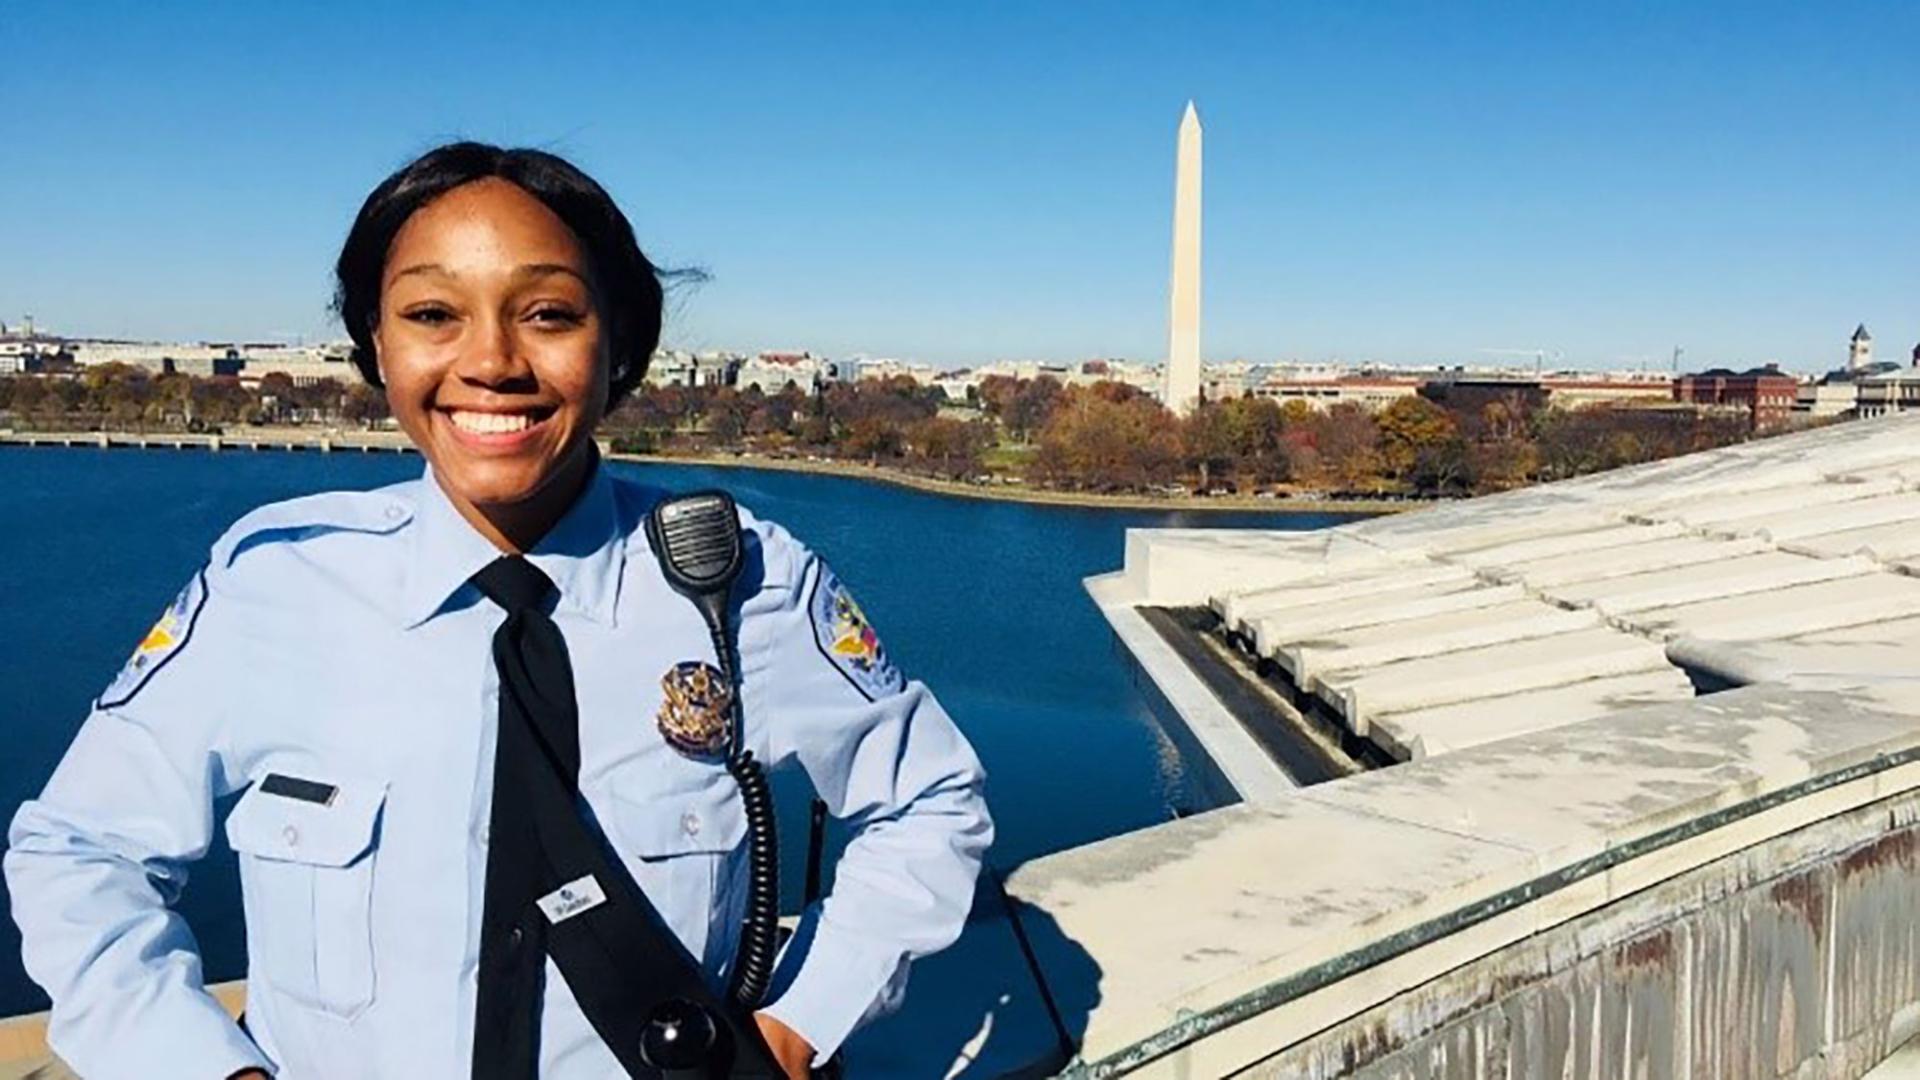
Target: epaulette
<point x="312" y="515"/>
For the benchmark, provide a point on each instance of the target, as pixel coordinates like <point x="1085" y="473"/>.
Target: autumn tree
<point x="25" y="395"/>
<point x="1409" y="427"/>
<point x="276" y="395"/>
<point x="1207" y="445"/>
<point x="1257" y="428"/>
<point x="872" y="437"/>
<point x="995" y="393"/>
<point x="363" y="405"/>
<point x="1106" y="441"/>
<point x="1030" y="407"/>
<point x="947" y="447"/>
<point x="1348" y="442"/>
<point x="726" y="417"/>
<point x="1444" y="468"/>
<point x="322" y="397"/>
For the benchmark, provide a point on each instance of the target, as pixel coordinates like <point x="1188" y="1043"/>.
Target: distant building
<point x="773" y="371"/>
<point x="959" y="386"/>
<point x="1570" y="392"/>
<point x="1765" y="394"/>
<point x="1860" y="350"/>
<point x="1473" y="395"/>
<point x="1370" y="392"/>
<point x="1891" y="389"/>
<point x="162" y="358"/>
<point x="675" y="367"/>
<point x="306" y="365"/>
<point x="1837" y="393"/>
<point x="1833" y="394"/>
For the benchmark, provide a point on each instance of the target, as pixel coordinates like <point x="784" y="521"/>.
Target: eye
<point x="428" y="316"/>
<point x="557" y="315"/>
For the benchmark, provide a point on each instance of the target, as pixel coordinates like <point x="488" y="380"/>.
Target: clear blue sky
<point x="962" y="182"/>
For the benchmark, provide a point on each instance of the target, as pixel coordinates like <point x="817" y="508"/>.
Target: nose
<point x="490" y="354"/>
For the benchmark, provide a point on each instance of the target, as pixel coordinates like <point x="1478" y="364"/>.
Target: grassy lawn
<point x="1007" y="459"/>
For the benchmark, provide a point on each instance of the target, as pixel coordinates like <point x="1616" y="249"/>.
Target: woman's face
<point x="490" y="343"/>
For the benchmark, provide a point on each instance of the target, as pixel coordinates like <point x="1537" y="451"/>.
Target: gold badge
<point x="695" y="708"/>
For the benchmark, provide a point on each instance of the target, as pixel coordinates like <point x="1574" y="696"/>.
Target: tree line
<point x="129" y="398"/>
<point x="1105" y="437"/>
<point x="1110" y="437"/>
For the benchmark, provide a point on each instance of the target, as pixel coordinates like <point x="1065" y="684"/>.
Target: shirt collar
<point x="584" y="553"/>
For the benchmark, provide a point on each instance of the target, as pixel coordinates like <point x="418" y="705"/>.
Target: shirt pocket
<point x="306" y="874"/>
<point x="683" y="838"/>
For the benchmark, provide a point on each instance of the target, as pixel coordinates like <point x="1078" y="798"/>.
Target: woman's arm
<point x="95" y="863"/>
<point x="885" y="757"/>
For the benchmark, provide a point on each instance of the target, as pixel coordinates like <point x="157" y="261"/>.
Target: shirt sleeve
<point x="886" y="758"/>
<point x="95" y="863"/>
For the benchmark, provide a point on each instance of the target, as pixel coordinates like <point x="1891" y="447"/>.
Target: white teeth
<point x="490" y="423"/>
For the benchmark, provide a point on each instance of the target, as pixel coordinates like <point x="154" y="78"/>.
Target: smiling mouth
<point x="496" y="423"/>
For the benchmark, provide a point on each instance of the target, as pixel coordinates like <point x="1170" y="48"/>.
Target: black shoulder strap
<point x="619" y="957"/>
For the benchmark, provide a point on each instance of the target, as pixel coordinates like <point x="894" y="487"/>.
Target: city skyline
<point x="1390" y="185"/>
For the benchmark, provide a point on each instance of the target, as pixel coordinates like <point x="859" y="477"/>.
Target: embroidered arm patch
<point x="847" y="640"/>
<point x="162" y="643"/>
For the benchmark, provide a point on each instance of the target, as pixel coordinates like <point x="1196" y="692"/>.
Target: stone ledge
<point x="1200" y="924"/>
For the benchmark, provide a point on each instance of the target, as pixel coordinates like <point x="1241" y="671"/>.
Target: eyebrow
<point x="525" y="270"/>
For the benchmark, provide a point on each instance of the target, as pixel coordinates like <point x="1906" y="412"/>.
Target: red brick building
<point x="1766" y="393"/>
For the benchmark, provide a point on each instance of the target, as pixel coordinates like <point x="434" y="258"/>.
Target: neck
<point x="515" y="528"/>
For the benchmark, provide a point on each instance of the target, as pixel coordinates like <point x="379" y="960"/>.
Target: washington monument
<point x="1183" y="318"/>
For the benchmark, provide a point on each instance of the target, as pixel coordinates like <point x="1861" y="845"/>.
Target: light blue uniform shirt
<point x="334" y="638"/>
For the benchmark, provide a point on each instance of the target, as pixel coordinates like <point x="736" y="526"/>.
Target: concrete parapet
<point x="1792" y="958"/>
<point x="1255" y="938"/>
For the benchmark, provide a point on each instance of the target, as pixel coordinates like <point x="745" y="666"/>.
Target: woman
<point x="340" y="660"/>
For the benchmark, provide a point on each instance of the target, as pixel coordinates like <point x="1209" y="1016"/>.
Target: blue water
<point x="981" y="600"/>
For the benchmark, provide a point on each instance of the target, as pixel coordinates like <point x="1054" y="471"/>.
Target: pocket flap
<point x="708" y="819"/>
<point x="286" y="828"/>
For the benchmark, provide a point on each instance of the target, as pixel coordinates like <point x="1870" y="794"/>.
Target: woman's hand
<point x="794" y="1053"/>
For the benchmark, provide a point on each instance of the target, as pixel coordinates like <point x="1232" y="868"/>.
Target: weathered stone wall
<point x="1799" y="957"/>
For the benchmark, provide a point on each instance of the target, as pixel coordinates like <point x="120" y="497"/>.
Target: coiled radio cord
<point x="759" y="930"/>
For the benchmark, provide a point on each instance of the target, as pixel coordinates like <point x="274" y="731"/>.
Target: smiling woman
<point x="478" y="305"/>
<point x="480" y="802"/>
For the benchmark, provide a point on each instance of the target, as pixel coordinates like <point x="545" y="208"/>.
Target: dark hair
<point x="626" y="284"/>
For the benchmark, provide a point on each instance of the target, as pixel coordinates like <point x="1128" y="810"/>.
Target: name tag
<point x="293" y="787"/>
<point x="571" y="899"/>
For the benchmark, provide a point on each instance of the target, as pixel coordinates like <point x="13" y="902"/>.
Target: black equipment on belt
<point x="553" y="890"/>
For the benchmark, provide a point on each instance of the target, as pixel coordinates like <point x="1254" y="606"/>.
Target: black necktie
<point x="620" y="960"/>
<point x="538" y="715"/>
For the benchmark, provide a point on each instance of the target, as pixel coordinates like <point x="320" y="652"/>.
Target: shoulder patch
<point x="847" y="640"/>
<point x="162" y="643"/>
